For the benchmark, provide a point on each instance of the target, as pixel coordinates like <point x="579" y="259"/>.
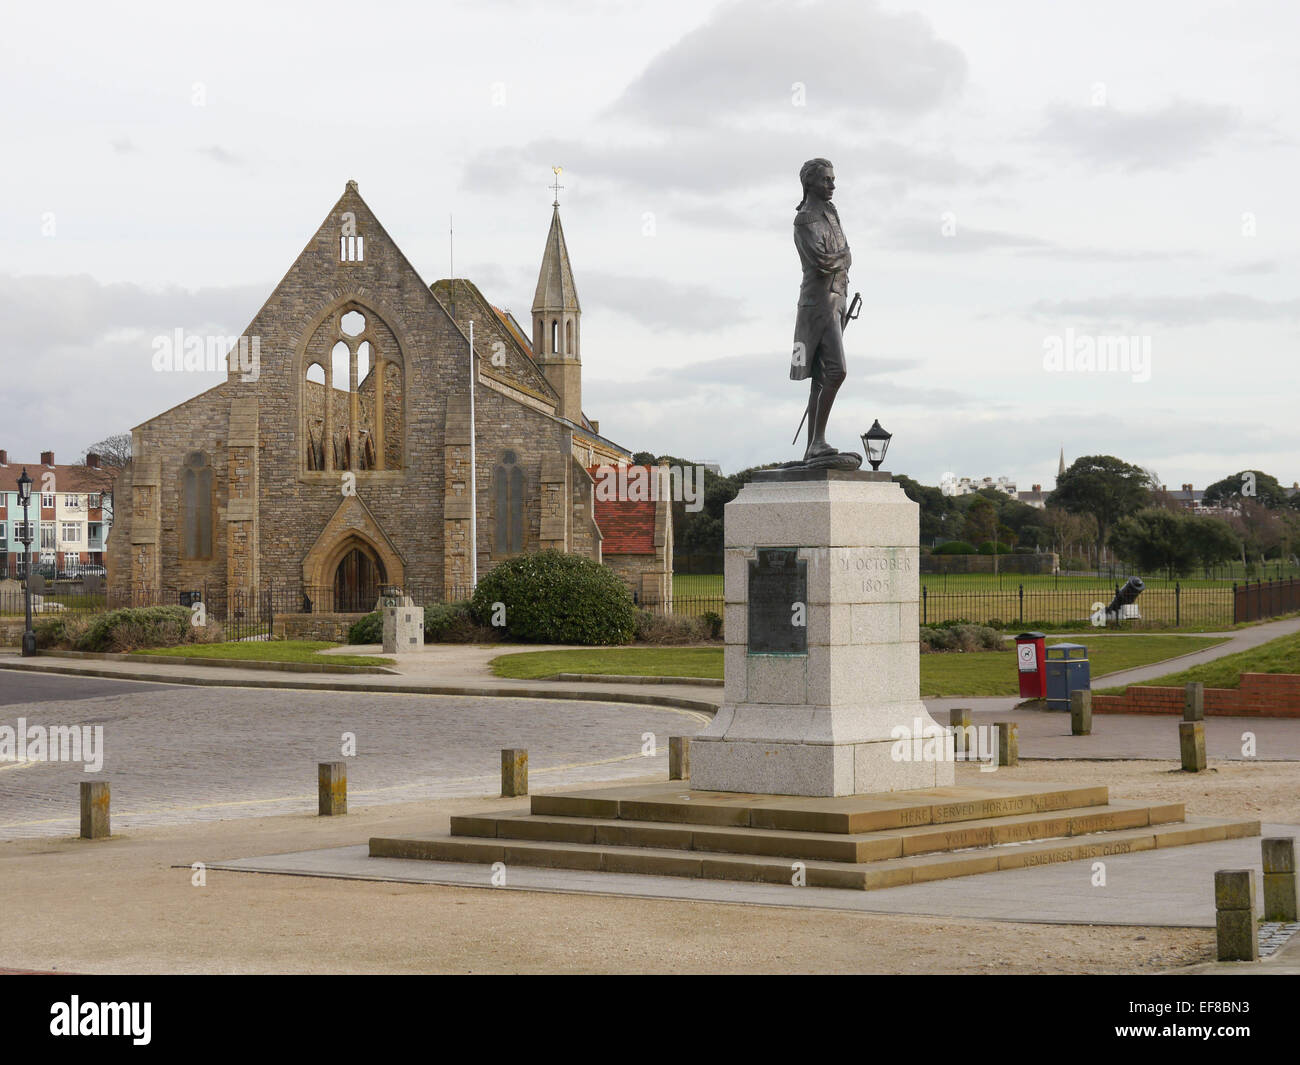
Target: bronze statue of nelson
<point x="823" y="310"/>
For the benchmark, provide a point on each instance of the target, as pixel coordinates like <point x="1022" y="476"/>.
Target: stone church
<point x="338" y="460"/>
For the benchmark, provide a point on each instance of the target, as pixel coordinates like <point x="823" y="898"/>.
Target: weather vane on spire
<point x="557" y="186"/>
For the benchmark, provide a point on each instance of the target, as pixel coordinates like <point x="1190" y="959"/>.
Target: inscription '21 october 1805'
<point x="876" y="571"/>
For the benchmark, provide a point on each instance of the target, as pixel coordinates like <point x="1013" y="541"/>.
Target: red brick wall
<point x="1260" y="695"/>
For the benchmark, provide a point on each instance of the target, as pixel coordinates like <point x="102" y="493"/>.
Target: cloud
<point x="663" y="305"/>
<point x="123" y="146"/>
<point x="1170" y="310"/>
<point x="714" y="113"/>
<point x="219" y="154"/>
<point x="1162" y="138"/>
<point x="81" y="330"/>
<point x="854" y="60"/>
<point x="928" y="236"/>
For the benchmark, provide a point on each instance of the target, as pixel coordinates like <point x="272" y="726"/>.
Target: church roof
<point x="627" y="526"/>
<point x="555" y="288"/>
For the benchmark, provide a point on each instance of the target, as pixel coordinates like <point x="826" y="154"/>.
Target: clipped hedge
<point x="955" y="547"/>
<point x="550" y="597"/>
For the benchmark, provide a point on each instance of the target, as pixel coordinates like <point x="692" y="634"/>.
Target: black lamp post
<point x="25" y="501"/>
<point x="876" y="442"/>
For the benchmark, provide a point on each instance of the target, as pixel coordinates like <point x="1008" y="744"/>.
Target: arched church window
<point x="196" y="506"/>
<point x="508" y="488"/>
<point x="352" y="397"/>
<point x="568" y="337"/>
<point x="555" y="336"/>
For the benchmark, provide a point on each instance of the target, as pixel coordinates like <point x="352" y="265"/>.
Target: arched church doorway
<point x="357" y="580"/>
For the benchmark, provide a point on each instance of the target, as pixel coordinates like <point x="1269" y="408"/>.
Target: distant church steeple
<point x="1060" y="466"/>
<point x="557" y="320"/>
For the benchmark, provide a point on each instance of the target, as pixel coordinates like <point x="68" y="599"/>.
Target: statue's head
<point x="817" y="177"/>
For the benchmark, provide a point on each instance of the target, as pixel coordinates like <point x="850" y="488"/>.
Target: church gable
<point x="501" y="355"/>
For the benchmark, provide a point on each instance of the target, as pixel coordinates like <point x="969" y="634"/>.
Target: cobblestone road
<point x="177" y="753"/>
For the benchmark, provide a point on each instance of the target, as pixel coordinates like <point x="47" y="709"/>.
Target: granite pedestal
<point x="822" y="657"/>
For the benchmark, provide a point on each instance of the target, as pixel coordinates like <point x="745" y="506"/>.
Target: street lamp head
<point x="24" y="488"/>
<point x="876" y="442"/>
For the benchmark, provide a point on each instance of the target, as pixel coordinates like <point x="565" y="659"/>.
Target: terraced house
<point x="71" y="513"/>
<point x="339" y="460"/>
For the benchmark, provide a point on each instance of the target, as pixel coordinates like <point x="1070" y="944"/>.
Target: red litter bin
<point x="1031" y="661"/>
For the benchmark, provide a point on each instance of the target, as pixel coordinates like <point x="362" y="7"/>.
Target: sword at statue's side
<point x="855" y="308"/>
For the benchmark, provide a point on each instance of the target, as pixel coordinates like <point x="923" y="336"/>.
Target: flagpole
<point x="473" y="478"/>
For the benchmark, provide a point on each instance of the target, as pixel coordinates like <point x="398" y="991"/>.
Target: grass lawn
<point x="613" y="661"/>
<point x="268" y="651"/>
<point x="691" y="585"/>
<point x="980" y="673"/>
<point x="1277" y="656"/>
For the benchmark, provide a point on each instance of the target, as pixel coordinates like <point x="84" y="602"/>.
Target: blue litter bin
<point x="1068" y="670"/>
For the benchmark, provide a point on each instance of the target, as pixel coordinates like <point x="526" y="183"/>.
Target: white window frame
<point x="52" y="529"/>
<point x="71" y="501"/>
<point x="48" y="496"/>
<point x="74" y="527"/>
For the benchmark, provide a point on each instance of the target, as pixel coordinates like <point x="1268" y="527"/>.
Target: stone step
<point x="864" y="876"/>
<point x="822" y="846"/>
<point x="675" y="803"/>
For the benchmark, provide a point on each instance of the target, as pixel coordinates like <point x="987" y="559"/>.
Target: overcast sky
<point x="1008" y="173"/>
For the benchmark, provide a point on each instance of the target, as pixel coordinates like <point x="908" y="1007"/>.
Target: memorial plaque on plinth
<point x="778" y="602"/>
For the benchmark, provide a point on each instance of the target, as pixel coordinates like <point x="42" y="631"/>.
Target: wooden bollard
<point x="959" y="722"/>
<point x="1281" y="896"/>
<point x="1234" y="904"/>
<point x="1008" y="743"/>
<point x="679" y="758"/>
<point x="94" y="809"/>
<point x="1081" y="713"/>
<point x="1191" y="743"/>
<point x="332" y="788"/>
<point x="1194" y="701"/>
<point x="514" y="772"/>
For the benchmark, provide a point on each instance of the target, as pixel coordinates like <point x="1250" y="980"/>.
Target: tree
<point x="941" y="515"/>
<point x="114" y="453"/>
<point x="1212" y="540"/>
<point x="1105" y="487"/>
<point x="981" y="520"/>
<point x="1156" y="539"/>
<point x="1253" y="485"/>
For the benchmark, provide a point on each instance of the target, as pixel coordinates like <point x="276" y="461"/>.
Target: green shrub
<point x="138" y="628"/>
<point x="956" y="547"/>
<point x="713" y="624"/>
<point x="986" y="548"/>
<point x="453" y="623"/>
<point x="551" y="597"/>
<point x="960" y="636"/>
<point x="669" y="628"/>
<point x="369" y="629"/>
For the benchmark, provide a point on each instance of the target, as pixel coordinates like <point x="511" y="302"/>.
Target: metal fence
<point x="242" y="615"/>
<point x="1265" y="599"/>
<point x="693" y="606"/>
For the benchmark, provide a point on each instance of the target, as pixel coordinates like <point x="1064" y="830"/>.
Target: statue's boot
<point x="819" y="410"/>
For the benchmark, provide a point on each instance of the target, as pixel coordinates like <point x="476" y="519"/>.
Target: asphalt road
<point x="180" y="753"/>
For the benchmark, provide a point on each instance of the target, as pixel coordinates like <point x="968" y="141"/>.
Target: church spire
<point x="557" y="319"/>
<point x="1060" y="466"/>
